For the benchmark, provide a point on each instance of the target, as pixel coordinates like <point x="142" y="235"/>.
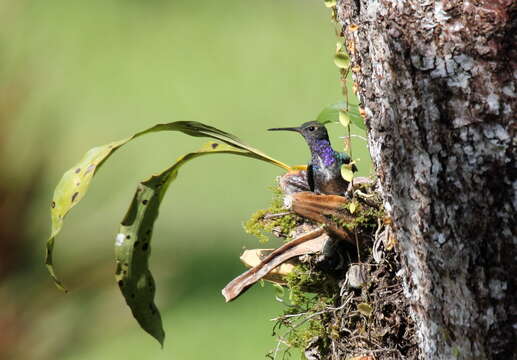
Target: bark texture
<point x="438" y="83"/>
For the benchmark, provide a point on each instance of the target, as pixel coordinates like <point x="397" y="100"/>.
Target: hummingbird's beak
<point x="295" y="129"/>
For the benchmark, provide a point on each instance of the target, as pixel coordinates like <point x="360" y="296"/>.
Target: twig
<point x="363" y="195"/>
<point x="289" y="316"/>
<point x="272" y="216"/>
<point x="355" y="135"/>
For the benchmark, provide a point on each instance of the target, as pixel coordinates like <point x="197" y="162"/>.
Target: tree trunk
<point x="437" y="81"/>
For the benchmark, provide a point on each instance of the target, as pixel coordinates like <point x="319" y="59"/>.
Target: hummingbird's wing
<point x="310" y="177"/>
<point x="345" y="159"/>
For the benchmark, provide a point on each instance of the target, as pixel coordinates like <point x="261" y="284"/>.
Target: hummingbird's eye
<point x="312" y="128"/>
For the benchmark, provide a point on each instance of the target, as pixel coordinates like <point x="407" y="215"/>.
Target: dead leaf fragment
<point x="351" y="47"/>
<point x="253" y="257"/>
<point x="305" y="244"/>
<point x="392" y="241"/>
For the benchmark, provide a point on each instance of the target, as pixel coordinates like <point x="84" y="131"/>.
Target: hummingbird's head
<point x="311" y="130"/>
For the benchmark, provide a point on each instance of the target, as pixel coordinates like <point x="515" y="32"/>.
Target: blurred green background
<point x="75" y="74"/>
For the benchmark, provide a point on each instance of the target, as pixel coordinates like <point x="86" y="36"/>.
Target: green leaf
<point x="341" y="60"/>
<point x="352" y="207"/>
<point x="330" y="3"/>
<point x="344" y="119"/>
<point x="75" y="182"/>
<point x="133" y="242"/>
<point x="330" y="114"/>
<point x="347" y="173"/>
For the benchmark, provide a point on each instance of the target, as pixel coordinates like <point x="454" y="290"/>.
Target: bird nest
<point x="338" y="274"/>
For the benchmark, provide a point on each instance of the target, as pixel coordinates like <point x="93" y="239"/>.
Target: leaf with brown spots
<point x="132" y="244"/>
<point x="75" y="182"/>
<point x="71" y="189"/>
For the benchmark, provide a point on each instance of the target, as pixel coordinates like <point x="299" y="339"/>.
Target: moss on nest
<point x="326" y="318"/>
<point x="335" y="321"/>
<point x="300" y="323"/>
<point x="275" y="218"/>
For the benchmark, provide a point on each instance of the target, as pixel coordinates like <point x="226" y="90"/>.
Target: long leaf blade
<point x="75" y="182"/>
<point x="71" y="189"/>
<point x="133" y="242"/>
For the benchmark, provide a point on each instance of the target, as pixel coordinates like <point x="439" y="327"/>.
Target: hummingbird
<point x="324" y="168"/>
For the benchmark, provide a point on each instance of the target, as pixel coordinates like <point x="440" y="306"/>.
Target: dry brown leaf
<point x="305" y="244"/>
<point x="253" y="257"/>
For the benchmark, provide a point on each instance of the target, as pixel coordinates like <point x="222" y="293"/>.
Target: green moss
<point x="278" y="196"/>
<point x="364" y="217"/>
<point x="254" y="225"/>
<point x="259" y="225"/>
<point x="310" y="294"/>
<point x="367" y="217"/>
<point x="299" y="282"/>
<point x="304" y="328"/>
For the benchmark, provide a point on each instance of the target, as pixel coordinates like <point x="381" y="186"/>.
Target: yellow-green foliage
<point x="300" y="282"/>
<point x="367" y="217"/>
<point x="254" y="225"/>
<point x="363" y="217"/>
<point x="257" y="225"/>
